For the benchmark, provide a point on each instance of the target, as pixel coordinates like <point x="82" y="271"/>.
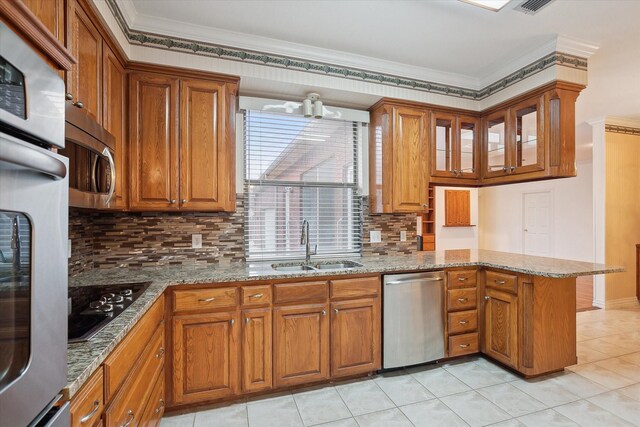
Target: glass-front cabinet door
<point x="496" y="160"/>
<point x="443" y="152"/>
<point x="528" y="142"/>
<point x="466" y="147"/>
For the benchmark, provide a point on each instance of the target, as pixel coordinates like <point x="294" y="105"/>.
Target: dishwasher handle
<point x="424" y="279"/>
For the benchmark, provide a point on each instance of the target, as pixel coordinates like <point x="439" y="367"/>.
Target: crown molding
<point x="141" y="30"/>
<point x="621" y="122"/>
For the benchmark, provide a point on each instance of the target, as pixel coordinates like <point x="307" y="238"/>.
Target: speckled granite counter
<point x="84" y="358"/>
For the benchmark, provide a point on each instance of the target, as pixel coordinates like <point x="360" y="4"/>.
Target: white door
<point x="538" y="212"/>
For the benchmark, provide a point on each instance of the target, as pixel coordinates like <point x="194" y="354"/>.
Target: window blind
<point x="300" y="168"/>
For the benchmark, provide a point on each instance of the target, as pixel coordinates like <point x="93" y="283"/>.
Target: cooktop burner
<point x="93" y="307"/>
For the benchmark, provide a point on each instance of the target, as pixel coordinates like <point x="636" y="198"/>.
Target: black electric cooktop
<point x="93" y="307"/>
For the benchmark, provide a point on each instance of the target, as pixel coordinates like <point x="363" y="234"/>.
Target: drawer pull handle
<point x="206" y="299"/>
<point x="463" y="299"/>
<point x="257" y="295"/>
<point x="464" y="345"/>
<point x="463" y="322"/>
<point x="500" y="282"/>
<point x="130" y="417"/>
<point x="462" y="279"/>
<point x="160" y="353"/>
<point x="161" y="407"/>
<point x="96" y="406"/>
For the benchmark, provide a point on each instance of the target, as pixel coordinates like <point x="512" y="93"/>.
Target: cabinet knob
<point x="426" y="205"/>
<point x="247" y="320"/>
<point x="68" y="96"/>
<point x="232" y="321"/>
<point x="324" y="312"/>
<point x="487" y="298"/>
<point x="504" y="169"/>
<point x="173" y="201"/>
<point x="183" y="201"/>
<point x="513" y="168"/>
<point x="78" y="104"/>
<point x="335" y="310"/>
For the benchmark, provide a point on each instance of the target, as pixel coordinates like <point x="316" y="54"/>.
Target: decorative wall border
<point x="627" y="130"/>
<point x="160" y="41"/>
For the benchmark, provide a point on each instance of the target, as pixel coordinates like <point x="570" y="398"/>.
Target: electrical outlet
<point x="375" y="237"/>
<point x="403" y="236"/>
<point x="196" y="241"/>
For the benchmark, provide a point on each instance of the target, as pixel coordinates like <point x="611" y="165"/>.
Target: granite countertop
<point x="83" y="358"/>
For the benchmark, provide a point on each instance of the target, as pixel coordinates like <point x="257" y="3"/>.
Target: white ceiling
<point x="460" y="42"/>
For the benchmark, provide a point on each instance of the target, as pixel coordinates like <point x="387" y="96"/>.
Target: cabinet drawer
<point x="87" y="405"/>
<point x="462" y="321"/>
<point x="155" y="407"/>
<point x="502" y="281"/>
<point x="351" y="288"/>
<point x="205" y="299"/>
<point x="253" y="296"/>
<point x="461" y="299"/>
<point x="129" y="403"/>
<point x="118" y="365"/>
<point x="300" y="292"/>
<point x="463" y="344"/>
<point x="461" y="279"/>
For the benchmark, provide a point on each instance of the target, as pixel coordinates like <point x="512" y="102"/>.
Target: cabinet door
<point x="205" y="357"/>
<point x="467" y="147"/>
<point x="410" y="160"/>
<point x="501" y="327"/>
<point x="443" y="162"/>
<point x="256" y="350"/>
<point x="301" y="344"/>
<point x="85" y="43"/>
<point x="114" y="120"/>
<point x="355" y="337"/>
<point x="527" y="136"/>
<point x="153" y="139"/>
<point x="495" y="159"/>
<point x="205" y="153"/>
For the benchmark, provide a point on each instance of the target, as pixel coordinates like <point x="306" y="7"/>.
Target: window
<point x="300" y="168"/>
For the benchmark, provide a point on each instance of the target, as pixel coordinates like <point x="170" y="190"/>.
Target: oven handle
<point x="30" y="158"/>
<point x="112" y="174"/>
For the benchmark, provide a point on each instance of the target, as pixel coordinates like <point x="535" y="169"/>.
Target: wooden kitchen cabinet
<point x="457" y="208"/>
<point x="355" y="337"/>
<point x="182" y="143"/>
<point x="257" y="366"/>
<point x="206" y="356"/>
<point x="501" y="326"/>
<point x="461" y="327"/>
<point x="51" y="14"/>
<point x="84" y="81"/>
<point x="87" y="405"/>
<point x="399" y="158"/>
<point x="454" y="149"/>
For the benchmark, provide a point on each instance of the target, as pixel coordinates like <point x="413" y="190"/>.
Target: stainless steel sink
<point x="319" y="265"/>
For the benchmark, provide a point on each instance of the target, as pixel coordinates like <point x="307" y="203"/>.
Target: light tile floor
<point x="603" y="389"/>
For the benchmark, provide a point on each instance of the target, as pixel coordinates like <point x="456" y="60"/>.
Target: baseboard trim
<point x="600" y="303"/>
<point x="621" y="303"/>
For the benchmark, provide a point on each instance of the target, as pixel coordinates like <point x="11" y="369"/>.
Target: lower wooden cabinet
<point x="301" y="344"/>
<point x="501" y="326"/>
<point x="355" y="337"/>
<point x="155" y="407"/>
<point x="206" y="351"/>
<point x="257" y="350"/>
<point x="87" y="405"/>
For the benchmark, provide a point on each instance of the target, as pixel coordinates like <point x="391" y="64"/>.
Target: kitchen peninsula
<point x="524" y="308"/>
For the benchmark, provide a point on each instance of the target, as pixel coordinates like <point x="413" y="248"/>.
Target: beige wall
<point x="622" y="212"/>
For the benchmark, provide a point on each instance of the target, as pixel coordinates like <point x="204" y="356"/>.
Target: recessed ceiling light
<point x="494" y="5"/>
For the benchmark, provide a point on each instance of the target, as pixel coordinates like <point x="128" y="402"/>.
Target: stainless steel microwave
<point x="90" y="149"/>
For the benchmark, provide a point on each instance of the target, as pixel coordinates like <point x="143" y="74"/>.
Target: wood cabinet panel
<point x="88" y="403"/>
<point x="462" y="278"/>
<point x="285" y="293"/>
<point x="155" y="407"/>
<point x="501" y="327"/>
<point x="463" y="344"/>
<point x="84" y="81"/>
<point x="457" y="208"/>
<point x="301" y="344"/>
<point x="114" y="119"/>
<point x="410" y="160"/>
<point x="51" y="14"/>
<point x="257" y="350"/>
<point x="256" y="296"/>
<point x="462" y="321"/>
<point x="205" y="299"/>
<point x="153" y="142"/>
<point x="355" y="288"/>
<point x="355" y="337"/>
<point x="205" y="356"/>
<point x="461" y="299"/>
<point x="502" y="281"/>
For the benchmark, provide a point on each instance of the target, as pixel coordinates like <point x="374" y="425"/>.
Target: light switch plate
<point x="403" y="236"/>
<point x="196" y="241"/>
<point x="375" y="237"/>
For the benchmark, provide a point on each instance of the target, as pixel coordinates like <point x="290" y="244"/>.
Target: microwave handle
<point x="32" y="159"/>
<point x="112" y="175"/>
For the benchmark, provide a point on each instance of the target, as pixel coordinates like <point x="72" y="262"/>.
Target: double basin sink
<point x="316" y="266"/>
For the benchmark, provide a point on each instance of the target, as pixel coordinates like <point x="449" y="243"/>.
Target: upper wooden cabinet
<point x="399" y="159"/>
<point x="182" y="143"/>
<point x="454" y="148"/>
<point x="84" y="81"/>
<point x="51" y="14"/>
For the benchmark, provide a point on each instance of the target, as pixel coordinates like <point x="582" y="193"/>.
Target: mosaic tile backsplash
<point x="132" y="239"/>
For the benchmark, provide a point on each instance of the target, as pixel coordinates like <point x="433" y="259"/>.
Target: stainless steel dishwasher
<point x="413" y="328"/>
